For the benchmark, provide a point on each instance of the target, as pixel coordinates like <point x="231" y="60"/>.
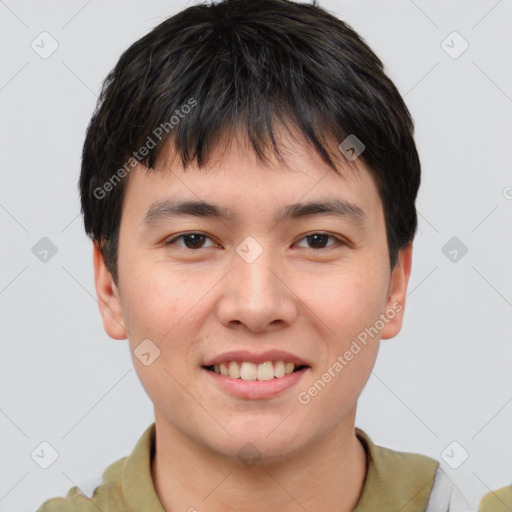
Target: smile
<point x="241" y="379"/>
<point x="246" y="370"/>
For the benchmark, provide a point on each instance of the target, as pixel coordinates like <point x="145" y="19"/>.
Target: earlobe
<point x="395" y="304"/>
<point x="108" y="297"/>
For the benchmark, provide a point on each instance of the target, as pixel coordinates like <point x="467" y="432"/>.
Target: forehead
<point x="235" y="184"/>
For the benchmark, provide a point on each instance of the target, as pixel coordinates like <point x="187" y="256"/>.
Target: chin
<point x="253" y="453"/>
<point x="263" y="449"/>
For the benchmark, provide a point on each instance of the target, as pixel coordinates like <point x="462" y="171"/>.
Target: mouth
<point x="250" y="375"/>
<point x="251" y="381"/>
<point x="244" y="370"/>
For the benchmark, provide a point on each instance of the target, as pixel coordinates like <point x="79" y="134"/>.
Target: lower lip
<point x="256" y="389"/>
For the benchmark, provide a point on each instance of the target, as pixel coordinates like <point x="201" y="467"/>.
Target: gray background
<point x="446" y="377"/>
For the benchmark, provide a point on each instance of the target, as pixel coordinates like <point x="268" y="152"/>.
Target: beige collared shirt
<point x="395" y="481"/>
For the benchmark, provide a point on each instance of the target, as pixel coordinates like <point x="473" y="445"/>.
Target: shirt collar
<point x="394" y="480"/>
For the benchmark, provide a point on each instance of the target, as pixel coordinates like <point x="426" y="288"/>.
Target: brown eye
<point x="191" y="240"/>
<point x="319" y="240"/>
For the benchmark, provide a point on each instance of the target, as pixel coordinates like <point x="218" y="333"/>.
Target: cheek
<point x="347" y="306"/>
<point x="347" y="303"/>
<point x="155" y="309"/>
<point x="153" y="301"/>
<point x="167" y="307"/>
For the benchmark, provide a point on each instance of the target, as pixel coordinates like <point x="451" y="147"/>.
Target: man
<point x="249" y="182"/>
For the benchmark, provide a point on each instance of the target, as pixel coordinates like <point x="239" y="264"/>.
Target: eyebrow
<point x="169" y="208"/>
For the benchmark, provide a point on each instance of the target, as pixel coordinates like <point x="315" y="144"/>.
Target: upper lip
<point x="256" y="358"/>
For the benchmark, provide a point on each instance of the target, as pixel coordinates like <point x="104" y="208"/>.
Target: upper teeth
<point x="251" y="371"/>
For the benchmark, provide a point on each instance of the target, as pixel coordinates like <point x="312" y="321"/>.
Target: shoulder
<point x="125" y="484"/>
<point x="105" y="495"/>
<point x="393" y="465"/>
<point x="395" y="480"/>
<point x="407" y="482"/>
<point x="497" y="501"/>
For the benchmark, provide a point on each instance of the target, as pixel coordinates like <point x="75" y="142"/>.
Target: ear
<point x="108" y="297"/>
<point x="395" y="304"/>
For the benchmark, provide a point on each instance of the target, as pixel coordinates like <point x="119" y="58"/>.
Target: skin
<point x="297" y="296"/>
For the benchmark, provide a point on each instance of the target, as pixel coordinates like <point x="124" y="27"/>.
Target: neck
<point x="326" y="475"/>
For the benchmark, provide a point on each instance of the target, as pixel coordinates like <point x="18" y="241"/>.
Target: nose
<point x="257" y="295"/>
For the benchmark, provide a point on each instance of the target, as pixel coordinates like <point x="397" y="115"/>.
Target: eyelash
<point x="339" y="241"/>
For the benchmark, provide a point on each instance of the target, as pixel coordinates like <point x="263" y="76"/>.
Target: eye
<point x="320" y="238"/>
<point x="196" y="240"/>
<point x="192" y="240"/>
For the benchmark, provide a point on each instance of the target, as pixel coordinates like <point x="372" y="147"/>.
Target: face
<point x="194" y="287"/>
